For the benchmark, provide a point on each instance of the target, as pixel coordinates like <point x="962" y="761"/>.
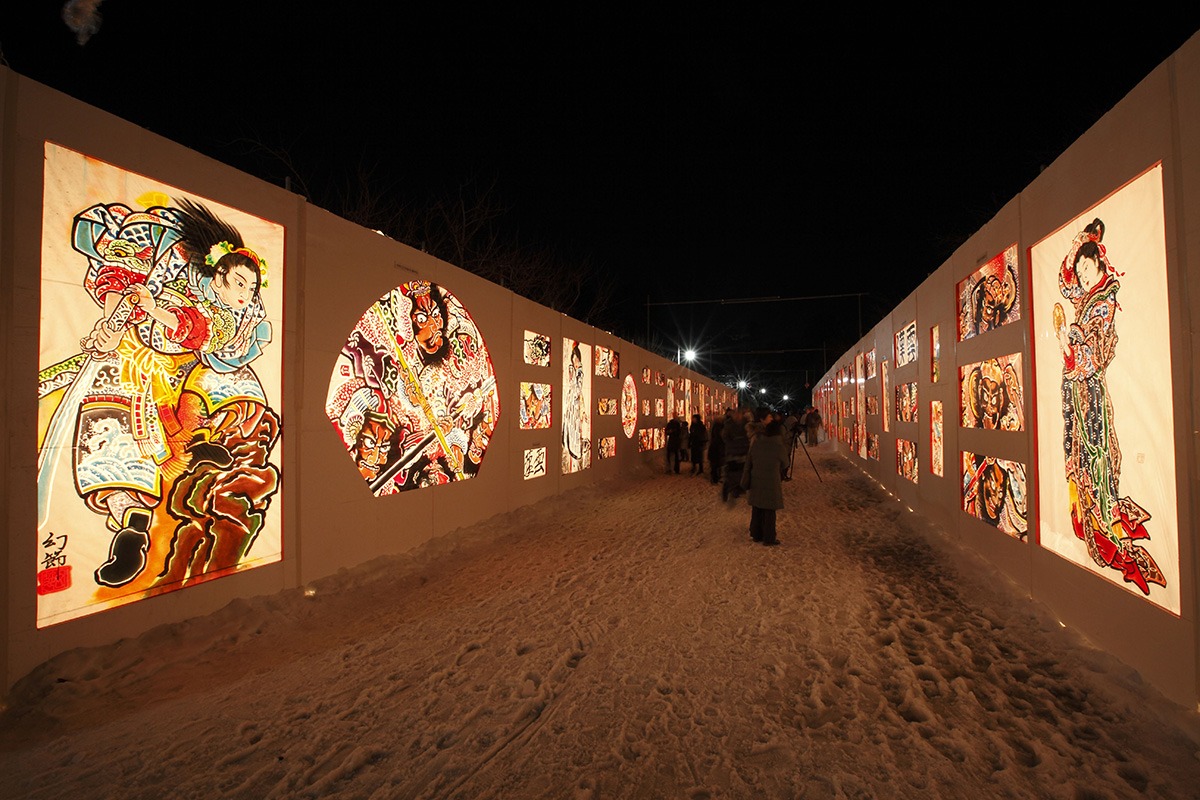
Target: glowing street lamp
<point x="689" y="355"/>
<point x="743" y="385"/>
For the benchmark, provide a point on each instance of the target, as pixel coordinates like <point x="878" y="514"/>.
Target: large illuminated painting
<point x="629" y="407"/>
<point x="576" y="407"/>
<point x="990" y="296"/>
<point x="537" y="349"/>
<point x="936" y="428"/>
<point x="159" y="389"/>
<point x="906" y="344"/>
<point x="535" y="406"/>
<point x="990" y="394"/>
<point x="993" y="490"/>
<point x="413" y="393"/>
<point x="607" y="362"/>
<point x="1106" y="434"/>
<point x="906" y="459"/>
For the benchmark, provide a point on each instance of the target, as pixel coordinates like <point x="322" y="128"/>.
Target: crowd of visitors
<point x="750" y="452"/>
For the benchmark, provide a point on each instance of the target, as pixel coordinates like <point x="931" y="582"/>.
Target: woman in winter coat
<point x="762" y="476"/>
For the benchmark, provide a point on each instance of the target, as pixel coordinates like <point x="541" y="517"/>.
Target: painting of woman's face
<point x="1087" y="269"/>
<point x="237" y="287"/>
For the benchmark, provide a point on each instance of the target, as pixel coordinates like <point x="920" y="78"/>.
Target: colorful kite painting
<point x="990" y="394"/>
<point x="576" y="407"/>
<point x="906" y="459"/>
<point x="629" y="407"/>
<point x="413" y="393"/>
<point x="537" y="349"/>
<point x="158" y="390"/>
<point x="994" y="491"/>
<point x="936" y="433"/>
<point x="990" y="296"/>
<point x="535" y="406"/>
<point x="607" y="363"/>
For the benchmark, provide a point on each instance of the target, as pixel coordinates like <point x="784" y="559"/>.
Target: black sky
<point x="691" y="155"/>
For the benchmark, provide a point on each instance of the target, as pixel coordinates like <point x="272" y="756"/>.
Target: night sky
<point x="685" y="156"/>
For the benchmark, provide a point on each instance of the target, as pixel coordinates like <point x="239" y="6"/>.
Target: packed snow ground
<point x="624" y="640"/>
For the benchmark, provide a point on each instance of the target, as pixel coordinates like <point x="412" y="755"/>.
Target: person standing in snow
<point x="716" y="448"/>
<point x="763" y="477"/>
<point x="737" y="444"/>
<point x="675" y="430"/>
<point x="697" y="438"/>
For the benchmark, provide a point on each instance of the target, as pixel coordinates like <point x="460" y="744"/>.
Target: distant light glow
<point x="743" y="385"/>
<point x="689" y="355"/>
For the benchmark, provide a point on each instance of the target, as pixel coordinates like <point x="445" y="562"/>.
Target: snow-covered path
<point x="626" y="640"/>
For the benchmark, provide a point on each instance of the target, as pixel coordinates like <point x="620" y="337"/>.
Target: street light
<point x="689" y="355"/>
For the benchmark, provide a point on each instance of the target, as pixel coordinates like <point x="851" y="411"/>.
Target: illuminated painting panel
<point x="660" y="408"/>
<point x="872" y="405"/>
<point x="935" y="353"/>
<point x="660" y="438"/>
<point x="906" y="459"/>
<point x="607" y="447"/>
<point x="906" y="344"/>
<point x="607" y="362"/>
<point x="158" y="390"/>
<point x="658" y="378"/>
<point x="629" y="405"/>
<point x="936" y="437"/>
<point x="645" y="375"/>
<point x="413" y="393"/>
<point x="537" y="349"/>
<point x="535" y="463"/>
<point x="670" y="406"/>
<point x="860" y="401"/>
<point x="606" y="406"/>
<point x="906" y="402"/>
<point x="870" y="363"/>
<point x="887" y="408"/>
<point x="535" y="406"/>
<point x="576" y="407"/>
<point x="990" y="296"/>
<point x="873" y="446"/>
<point x="990" y="394"/>
<point x="1107" y="477"/>
<point x="645" y="440"/>
<point x="993" y="490"/>
<point x="645" y="408"/>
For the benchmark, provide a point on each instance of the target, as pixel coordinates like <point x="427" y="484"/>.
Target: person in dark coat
<point x="812" y="425"/>
<point x="697" y="438"/>
<point x="737" y="444"/>
<point x="763" y="477"/>
<point x="675" y="431"/>
<point x="716" y="448"/>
